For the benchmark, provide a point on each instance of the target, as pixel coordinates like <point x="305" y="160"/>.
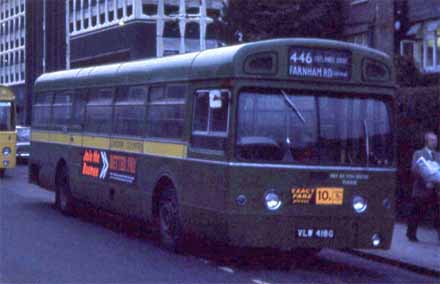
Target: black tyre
<point x="169" y="221"/>
<point x="2" y="173"/>
<point x="63" y="196"/>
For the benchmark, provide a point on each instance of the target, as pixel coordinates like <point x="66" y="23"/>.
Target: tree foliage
<point x="250" y="20"/>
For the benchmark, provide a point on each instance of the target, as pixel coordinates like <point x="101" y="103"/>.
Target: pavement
<point x="422" y="256"/>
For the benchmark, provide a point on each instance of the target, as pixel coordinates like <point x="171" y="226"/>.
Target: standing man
<point x="424" y="193"/>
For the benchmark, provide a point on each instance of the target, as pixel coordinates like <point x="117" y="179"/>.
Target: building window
<point x="431" y="51"/>
<point x="424" y="47"/>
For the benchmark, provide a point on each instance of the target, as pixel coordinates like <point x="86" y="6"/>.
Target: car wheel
<point x="170" y="226"/>
<point x="63" y="196"/>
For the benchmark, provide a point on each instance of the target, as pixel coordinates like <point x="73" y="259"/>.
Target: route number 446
<point x="303" y="57"/>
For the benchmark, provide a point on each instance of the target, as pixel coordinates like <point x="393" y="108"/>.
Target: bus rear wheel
<point x="170" y="226"/>
<point x="63" y="196"/>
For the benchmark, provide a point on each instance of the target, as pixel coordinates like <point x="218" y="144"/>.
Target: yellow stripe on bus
<point x="165" y="149"/>
<point x="76" y="140"/>
<point x="59" y="138"/>
<point x="40" y="136"/>
<point x="96" y="142"/>
<point x="127" y="145"/>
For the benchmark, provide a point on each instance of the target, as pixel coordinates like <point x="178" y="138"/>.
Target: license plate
<point x="329" y="196"/>
<point x="309" y="233"/>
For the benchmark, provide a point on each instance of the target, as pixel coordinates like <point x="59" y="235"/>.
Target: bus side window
<point x="129" y="111"/>
<point x="99" y="111"/>
<point x="41" y="112"/>
<point x="61" y="110"/>
<point x="79" y="109"/>
<point x="210" y="124"/>
<point x="166" y="112"/>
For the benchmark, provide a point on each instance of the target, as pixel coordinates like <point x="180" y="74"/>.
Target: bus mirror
<point x="215" y="99"/>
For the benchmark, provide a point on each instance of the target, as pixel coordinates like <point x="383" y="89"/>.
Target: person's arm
<point x="415" y="170"/>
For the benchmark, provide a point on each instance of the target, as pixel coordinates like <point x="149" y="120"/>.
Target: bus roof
<point x="224" y="62"/>
<point x="6" y="94"/>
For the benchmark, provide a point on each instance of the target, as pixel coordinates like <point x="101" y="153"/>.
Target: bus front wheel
<point x="170" y="226"/>
<point x="63" y="197"/>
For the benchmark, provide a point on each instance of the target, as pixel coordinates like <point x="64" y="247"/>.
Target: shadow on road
<point x="37" y="206"/>
<point x="221" y="255"/>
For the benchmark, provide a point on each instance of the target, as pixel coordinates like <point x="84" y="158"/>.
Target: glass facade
<point x="181" y="26"/>
<point x="12" y="42"/>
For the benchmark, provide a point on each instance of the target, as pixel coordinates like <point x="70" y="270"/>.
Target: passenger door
<point x="206" y="189"/>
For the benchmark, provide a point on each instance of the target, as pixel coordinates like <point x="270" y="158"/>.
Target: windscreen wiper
<point x="293" y="106"/>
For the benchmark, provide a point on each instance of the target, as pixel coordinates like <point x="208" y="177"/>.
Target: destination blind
<point x="317" y="63"/>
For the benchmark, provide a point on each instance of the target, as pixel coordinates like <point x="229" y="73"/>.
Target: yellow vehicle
<point x="7" y="130"/>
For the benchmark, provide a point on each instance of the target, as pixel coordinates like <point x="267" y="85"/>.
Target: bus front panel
<point x="7" y="135"/>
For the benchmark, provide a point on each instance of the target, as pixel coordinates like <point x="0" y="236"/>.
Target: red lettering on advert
<point x="96" y="157"/>
<point x="92" y="156"/>
<point x="87" y="156"/>
<point x="118" y="163"/>
<point x="131" y="165"/>
<point x="123" y="164"/>
<point x="90" y="170"/>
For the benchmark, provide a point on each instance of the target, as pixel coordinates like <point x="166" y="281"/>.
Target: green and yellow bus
<point x="279" y="144"/>
<point x="7" y="130"/>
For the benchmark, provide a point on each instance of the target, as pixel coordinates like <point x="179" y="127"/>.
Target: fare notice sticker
<point x="329" y="196"/>
<point x="318" y="196"/>
<point x="319" y="63"/>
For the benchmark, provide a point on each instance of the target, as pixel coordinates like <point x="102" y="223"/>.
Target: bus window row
<point x="139" y="111"/>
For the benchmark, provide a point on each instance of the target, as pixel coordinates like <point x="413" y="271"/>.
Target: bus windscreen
<point x="6" y="116"/>
<point x="312" y="128"/>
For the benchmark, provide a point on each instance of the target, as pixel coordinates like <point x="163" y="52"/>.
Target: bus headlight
<point x="5" y="163"/>
<point x="359" y="204"/>
<point x="272" y="200"/>
<point x="6" y="151"/>
<point x="376" y="240"/>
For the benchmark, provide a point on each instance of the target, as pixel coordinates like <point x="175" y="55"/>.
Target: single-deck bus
<point x="7" y="130"/>
<point x="278" y="144"/>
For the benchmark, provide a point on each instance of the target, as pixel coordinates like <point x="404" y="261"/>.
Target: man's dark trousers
<point x="421" y="207"/>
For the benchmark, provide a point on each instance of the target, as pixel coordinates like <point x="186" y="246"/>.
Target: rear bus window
<point x="166" y="112"/>
<point x="41" y="113"/>
<point x="130" y="111"/>
<point x="62" y="108"/>
<point x="99" y="111"/>
<point x="79" y="109"/>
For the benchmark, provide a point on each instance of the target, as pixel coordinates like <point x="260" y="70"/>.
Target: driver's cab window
<point x="210" y="119"/>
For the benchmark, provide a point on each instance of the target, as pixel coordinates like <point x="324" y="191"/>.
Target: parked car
<point x="23" y="143"/>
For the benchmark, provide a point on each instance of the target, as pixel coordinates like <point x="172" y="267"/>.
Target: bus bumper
<point x="285" y="233"/>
